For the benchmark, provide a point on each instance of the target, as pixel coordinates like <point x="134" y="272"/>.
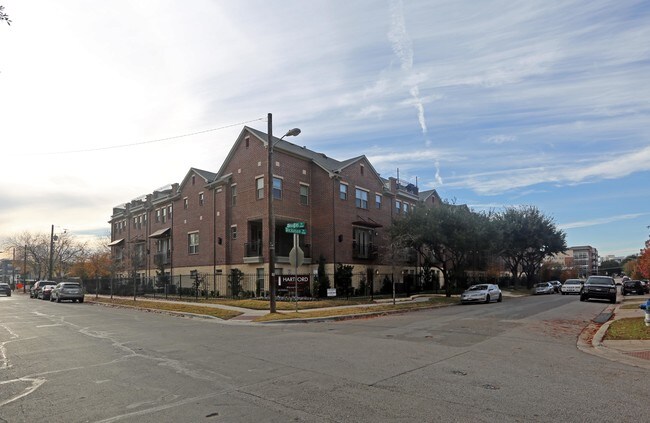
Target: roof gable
<point x="207" y="177"/>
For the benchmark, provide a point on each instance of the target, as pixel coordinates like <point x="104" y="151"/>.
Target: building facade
<point x="213" y="223"/>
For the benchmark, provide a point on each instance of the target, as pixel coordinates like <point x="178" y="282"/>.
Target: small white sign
<point x="331" y="292"/>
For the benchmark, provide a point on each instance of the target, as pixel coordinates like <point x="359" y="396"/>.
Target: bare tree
<point x="4" y="16"/>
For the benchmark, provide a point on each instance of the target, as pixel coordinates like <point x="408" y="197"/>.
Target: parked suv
<point x="36" y="288"/>
<point x="67" y="291"/>
<point x="632" y="287"/>
<point x="602" y="287"/>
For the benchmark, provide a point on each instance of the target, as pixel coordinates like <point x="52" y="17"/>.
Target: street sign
<point x="296" y="228"/>
<point x="296" y="225"/>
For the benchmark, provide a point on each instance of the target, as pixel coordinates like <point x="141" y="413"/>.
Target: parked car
<point x="572" y="286"/>
<point x="557" y="285"/>
<point x="5" y="289"/>
<point x="481" y="293"/>
<point x="602" y="287"/>
<point x="646" y="286"/>
<point x="36" y="288"/>
<point x="632" y="287"/>
<point x="46" y="292"/>
<point x="65" y="291"/>
<point x="543" y="288"/>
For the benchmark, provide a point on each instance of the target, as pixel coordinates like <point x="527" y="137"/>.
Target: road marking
<point x="34" y="382"/>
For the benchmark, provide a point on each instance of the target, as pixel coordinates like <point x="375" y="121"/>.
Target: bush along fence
<point x="240" y="285"/>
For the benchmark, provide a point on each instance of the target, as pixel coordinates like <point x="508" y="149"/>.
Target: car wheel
<point x="58" y="299"/>
<point x="51" y="299"/>
<point x="487" y="299"/>
<point x="81" y="300"/>
<point x="613" y="300"/>
<point x="500" y="298"/>
<point x="582" y="298"/>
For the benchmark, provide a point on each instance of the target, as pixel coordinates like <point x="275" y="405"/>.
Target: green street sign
<point x="299" y="231"/>
<point x="296" y="225"/>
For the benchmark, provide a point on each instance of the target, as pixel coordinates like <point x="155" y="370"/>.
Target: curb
<point x="156" y="310"/>
<point x="591" y="338"/>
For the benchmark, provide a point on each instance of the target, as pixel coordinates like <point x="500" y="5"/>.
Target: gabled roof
<point x="424" y="195"/>
<point x="207" y="177"/>
<point x="330" y="165"/>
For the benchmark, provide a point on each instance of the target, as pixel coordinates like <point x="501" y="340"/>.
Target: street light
<point x="291" y="133"/>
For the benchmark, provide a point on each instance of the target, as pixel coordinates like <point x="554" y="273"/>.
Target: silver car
<point x="543" y="288"/>
<point x="67" y="291"/>
<point x="481" y="293"/>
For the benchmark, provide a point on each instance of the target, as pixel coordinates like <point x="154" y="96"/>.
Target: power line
<point x="134" y="144"/>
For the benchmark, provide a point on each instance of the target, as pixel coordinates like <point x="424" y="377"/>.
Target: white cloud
<point x="601" y="221"/>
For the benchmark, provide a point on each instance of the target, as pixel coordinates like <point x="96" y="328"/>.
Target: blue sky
<point x="492" y="103"/>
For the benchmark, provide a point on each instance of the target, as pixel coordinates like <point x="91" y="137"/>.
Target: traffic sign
<point x="296" y="256"/>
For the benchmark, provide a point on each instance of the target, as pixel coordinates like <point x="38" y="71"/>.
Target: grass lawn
<point x="254" y="304"/>
<point x="628" y="329"/>
<point x="433" y="302"/>
<point x="632" y="306"/>
<point x="169" y="306"/>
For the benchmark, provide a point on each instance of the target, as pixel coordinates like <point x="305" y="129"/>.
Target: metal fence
<point x="240" y="285"/>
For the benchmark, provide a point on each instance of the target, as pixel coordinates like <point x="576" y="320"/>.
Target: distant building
<point x="585" y="260"/>
<point x="582" y="258"/>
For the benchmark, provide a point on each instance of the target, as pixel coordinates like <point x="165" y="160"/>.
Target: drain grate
<point x="640" y="354"/>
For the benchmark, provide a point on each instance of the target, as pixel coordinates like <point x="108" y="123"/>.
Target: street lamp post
<point x="291" y="133"/>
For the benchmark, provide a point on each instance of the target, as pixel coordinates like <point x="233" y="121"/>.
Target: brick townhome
<point x="216" y="222"/>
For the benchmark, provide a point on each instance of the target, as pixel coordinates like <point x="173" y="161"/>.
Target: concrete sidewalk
<point x="634" y="352"/>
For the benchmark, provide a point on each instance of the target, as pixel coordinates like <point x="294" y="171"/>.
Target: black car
<point x="602" y="287"/>
<point x="5" y="289"/>
<point x="632" y="287"/>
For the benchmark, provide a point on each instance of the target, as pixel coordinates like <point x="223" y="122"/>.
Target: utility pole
<point x="271" y="222"/>
<point x="49" y="270"/>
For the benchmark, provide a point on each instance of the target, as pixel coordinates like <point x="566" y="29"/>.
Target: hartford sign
<point x="288" y="283"/>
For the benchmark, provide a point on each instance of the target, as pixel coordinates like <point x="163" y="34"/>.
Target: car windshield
<point x="70" y="285"/>
<point x="541" y="285"/>
<point x="572" y="282"/>
<point x="478" y="288"/>
<point x="600" y="280"/>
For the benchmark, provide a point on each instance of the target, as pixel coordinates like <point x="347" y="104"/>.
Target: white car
<point x="572" y="286"/>
<point x="481" y="293"/>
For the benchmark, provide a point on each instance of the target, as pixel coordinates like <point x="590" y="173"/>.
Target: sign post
<point x="296" y="255"/>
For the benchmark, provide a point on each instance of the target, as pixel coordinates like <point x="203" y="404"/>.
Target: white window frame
<point x="361" y="198"/>
<point x="304" y="197"/>
<point x="193" y="242"/>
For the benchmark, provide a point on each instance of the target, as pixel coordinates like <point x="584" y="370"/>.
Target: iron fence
<point x="240" y="285"/>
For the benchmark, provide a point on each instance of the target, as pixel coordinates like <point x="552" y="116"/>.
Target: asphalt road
<point x="514" y="361"/>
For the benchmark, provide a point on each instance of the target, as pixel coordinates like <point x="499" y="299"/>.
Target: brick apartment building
<point x="216" y="222"/>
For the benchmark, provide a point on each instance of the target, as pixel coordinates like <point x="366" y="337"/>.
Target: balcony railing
<point x="364" y="251"/>
<point x="253" y="249"/>
<point x="283" y="251"/>
<point x="162" y="258"/>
